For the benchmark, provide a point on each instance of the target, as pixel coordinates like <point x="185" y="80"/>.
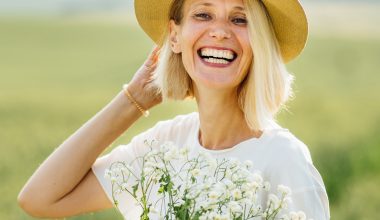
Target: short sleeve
<point x="170" y="130"/>
<point x="126" y="153"/>
<point x="292" y="167"/>
<point x="120" y="153"/>
<point x="311" y="199"/>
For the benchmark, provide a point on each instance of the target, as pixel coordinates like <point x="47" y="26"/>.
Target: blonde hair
<point x="267" y="85"/>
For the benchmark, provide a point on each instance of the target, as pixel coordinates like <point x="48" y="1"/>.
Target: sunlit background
<point x="61" y="61"/>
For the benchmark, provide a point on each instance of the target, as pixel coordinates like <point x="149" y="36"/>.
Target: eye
<point x="239" y="20"/>
<point x="202" y="16"/>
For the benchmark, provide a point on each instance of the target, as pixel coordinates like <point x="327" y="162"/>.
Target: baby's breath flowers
<point x="198" y="187"/>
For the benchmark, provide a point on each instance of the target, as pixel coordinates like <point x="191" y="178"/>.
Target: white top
<point x="278" y="154"/>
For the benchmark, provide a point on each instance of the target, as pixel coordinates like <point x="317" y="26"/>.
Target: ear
<point x="174" y="37"/>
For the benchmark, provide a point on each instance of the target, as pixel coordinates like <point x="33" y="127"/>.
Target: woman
<point x="229" y="56"/>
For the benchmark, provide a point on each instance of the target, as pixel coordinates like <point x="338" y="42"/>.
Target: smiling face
<point x="213" y="40"/>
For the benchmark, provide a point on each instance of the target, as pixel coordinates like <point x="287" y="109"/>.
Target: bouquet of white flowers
<point x="198" y="187"/>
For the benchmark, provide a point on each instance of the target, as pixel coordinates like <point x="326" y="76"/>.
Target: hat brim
<point x="287" y="16"/>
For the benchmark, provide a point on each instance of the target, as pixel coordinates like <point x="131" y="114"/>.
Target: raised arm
<point x="64" y="184"/>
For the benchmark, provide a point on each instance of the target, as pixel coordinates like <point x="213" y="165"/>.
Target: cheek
<point x="247" y="48"/>
<point x="191" y="32"/>
<point x="189" y="35"/>
<point x="246" y="43"/>
<point x="247" y="57"/>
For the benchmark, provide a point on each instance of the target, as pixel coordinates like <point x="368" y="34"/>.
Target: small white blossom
<point x="257" y="178"/>
<point x="213" y="195"/>
<point x="219" y="189"/>
<point x="113" y="179"/>
<point x="248" y="194"/>
<point x="293" y="216"/>
<point x="297" y="215"/>
<point x="283" y="190"/>
<point x="203" y="217"/>
<point x="228" y="183"/>
<point x="247" y="202"/>
<point x="235" y="207"/>
<point x="286" y="202"/>
<point x="195" y="172"/>
<point x="274" y="200"/>
<point x="266" y="186"/>
<point x="184" y="152"/>
<point x="236" y="194"/>
<point x="301" y="215"/>
<point x="228" y="174"/>
<point x="253" y="186"/>
<point x="225" y="217"/>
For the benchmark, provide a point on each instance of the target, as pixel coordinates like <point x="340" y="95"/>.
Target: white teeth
<point x="220" y="53"/>
<point x="217" y="53"/>
<point x="218" y="61"/>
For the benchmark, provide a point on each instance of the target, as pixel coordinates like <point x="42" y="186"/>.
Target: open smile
<point x="216" y="56"/>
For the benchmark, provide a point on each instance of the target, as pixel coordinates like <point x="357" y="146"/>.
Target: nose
<point x="220" y="32"/>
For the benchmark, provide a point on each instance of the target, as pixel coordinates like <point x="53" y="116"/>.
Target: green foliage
<point x="135" y="187"/>
<point x="57" y="74"/>
<point x="183" y="212"/>
<point x="361" y="199"/>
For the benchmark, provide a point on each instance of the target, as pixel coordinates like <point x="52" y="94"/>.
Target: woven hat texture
<point x="287" y="16"/>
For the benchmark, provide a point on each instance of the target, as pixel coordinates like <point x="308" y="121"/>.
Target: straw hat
<point x="288" y="19"/>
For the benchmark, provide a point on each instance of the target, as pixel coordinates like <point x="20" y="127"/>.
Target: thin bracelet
<point x="144" y="112"/>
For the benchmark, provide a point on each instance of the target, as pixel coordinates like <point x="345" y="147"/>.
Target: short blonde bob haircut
<point x="265" y="88"/>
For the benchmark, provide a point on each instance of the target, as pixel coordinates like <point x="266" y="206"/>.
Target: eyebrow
<point x="207" y="4"/>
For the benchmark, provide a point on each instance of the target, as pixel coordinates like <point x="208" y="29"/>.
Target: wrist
<point x="133" y="97"/>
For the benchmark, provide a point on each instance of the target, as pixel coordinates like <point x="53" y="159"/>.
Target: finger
<point x="152" y="59"/>
<point x="154" y="52"/>
<point x="155" y="49"/>
<point x="152" y="77"/>
<point x="148" y="81"/>
<point x="153" y="56"/>
<point x="158" y="54"/>
<point x="151" y="67"/>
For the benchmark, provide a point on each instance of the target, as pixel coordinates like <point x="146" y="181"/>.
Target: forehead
<point x="235" y="4"/>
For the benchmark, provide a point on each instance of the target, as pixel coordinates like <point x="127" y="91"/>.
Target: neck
<point x="222" y="122"/>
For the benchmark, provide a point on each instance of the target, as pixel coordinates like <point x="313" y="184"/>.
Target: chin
<point x="216" y="84"/>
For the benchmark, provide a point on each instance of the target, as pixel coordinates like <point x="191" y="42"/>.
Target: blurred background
<point x="61" y="61"/>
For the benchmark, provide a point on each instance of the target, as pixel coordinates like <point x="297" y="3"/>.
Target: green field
<point x="55" y="74"/>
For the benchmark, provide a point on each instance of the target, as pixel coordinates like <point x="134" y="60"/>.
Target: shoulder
<point x="290" y="162"/>
<point x="286" y="146"/>
<point x="288" y="158"/>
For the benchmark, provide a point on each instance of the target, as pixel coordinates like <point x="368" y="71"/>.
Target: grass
<point x="56" y="74"/>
